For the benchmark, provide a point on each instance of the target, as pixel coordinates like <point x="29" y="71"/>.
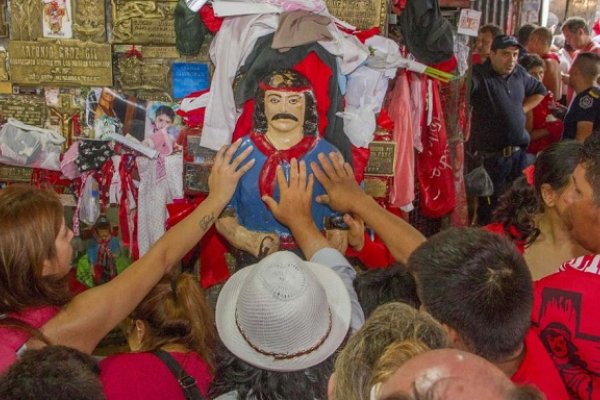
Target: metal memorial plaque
<point x="362" y="14"/>
<point x="376" y="187"/>
<point x="148" y="74"/>
<point x="89" y="22"/>
<point x="15" y="174"/>
<point x="382" y="159"/>
<point x="3" y="20"/>
<point x="28" y="109"/>
<point x="60" y="63"/>
<point x="143" y="22"/>
<point x="22" y="17"/>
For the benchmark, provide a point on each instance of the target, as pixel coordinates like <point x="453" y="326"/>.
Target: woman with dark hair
<point x="174" y="317"/>
<point x="36" y="307"/>
<point x="533" y="211"/>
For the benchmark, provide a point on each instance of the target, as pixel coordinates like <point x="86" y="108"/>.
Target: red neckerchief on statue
<point x="266" y="181"/>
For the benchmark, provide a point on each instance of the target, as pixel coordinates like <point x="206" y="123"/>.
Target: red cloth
<point x="434" y="169"/>
<point x="555" y="128"/>
<point x="537" y="369"/>
<point x="565" y="310"/>
<point x="374" y="254"/>
<point x="448" y="65"/>
<point x="212" y="23"/>
<point x="11" y="339"/>
<point x="551" y="56"/>
<point x="143" y="376"/>
<point x="476" y="59"/>
<point x="513" y="234"/>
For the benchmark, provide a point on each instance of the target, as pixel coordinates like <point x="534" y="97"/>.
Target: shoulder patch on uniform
<point x="586" y="102"/>
<point x="594" y="94"/>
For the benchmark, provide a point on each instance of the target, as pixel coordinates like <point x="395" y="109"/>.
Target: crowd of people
<point x="502" y="311"/>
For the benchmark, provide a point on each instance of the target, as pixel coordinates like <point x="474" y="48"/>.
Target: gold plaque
<point x="31" y="110"/>
<point x="60" y="63"/>
<point x="3" y="20"/>
<point x="382" y="159"/>
<point x="376" y="187"/>
<point x="25" y="19"/>
<point x="15" y="174"/>
<point x="143" y="22"/>
<point x="148" y="74"/>
<point x="89" y="20"/>
<point x="160" y="52"/>
<point x="363" y="14"/>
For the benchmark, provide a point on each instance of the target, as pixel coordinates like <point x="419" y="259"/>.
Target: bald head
<point x="451" y="374"/>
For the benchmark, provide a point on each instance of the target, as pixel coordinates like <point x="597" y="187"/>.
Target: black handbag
<point x="477" y="181"/>
<point x="188" y="384"/>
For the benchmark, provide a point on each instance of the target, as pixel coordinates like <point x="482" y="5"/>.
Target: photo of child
<point x="162" y="127"/>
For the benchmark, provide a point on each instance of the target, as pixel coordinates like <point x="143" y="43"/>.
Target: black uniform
<point x="585" y="107"/>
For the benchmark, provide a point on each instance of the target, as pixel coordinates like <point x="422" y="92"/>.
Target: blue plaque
<point x="189" y="78"/>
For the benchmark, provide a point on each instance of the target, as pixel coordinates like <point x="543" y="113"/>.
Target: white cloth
<point x="417" y="101"/>
<point x="153" y="196"/>
<point x="350" y="51"/>
<point x="228" y="51"/>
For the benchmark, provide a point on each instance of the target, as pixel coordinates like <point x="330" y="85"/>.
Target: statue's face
<point x="284" y="110"/>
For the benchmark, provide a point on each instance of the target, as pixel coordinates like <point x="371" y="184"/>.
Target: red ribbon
<point x="529" y="173"/>
<point x="133" y="52"/>
<point x="126" y="170"/>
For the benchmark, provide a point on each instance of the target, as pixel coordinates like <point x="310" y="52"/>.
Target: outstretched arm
<point x="344" y="195"/>
<point x="256" y="243"/>
<point x="92" y="314"/>
<point x="293" y="210"/>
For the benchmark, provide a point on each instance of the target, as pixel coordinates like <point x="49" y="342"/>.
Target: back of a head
<point x="449" y="374"/>
<point x="524" y="33"/>
<point x="380" y="286"/>
<point x="389" y="323"/>
<point x="52" y="373"/>
<point x="573" y="24"/>
<point x="588" y="65"/>
<point x="493" y="29"/>
<point x="176" y="311"/>
<point x="543" y="34"/>
<point x="477" y="283"/>
<point x="30" y="220"/>
<point x="590" y="158"/>
<point x="520" y="204"/>
<point x="556" y="163"/>
<point x="529" y="61"/>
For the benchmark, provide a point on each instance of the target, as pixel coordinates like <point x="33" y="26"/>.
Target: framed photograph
<point x="57" y="19"/>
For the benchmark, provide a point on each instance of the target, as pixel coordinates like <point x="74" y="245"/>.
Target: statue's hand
<point x="267" y="243"/>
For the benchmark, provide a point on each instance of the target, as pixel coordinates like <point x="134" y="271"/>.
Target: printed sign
<point x="468" y="23"/>
<point x="189" y="78"/>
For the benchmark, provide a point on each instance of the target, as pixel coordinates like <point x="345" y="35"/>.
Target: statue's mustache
<point x="284" y="116"/>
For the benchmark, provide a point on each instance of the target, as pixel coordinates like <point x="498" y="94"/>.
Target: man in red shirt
<point x="539" y="43"/>
<point x="566" y="303"/>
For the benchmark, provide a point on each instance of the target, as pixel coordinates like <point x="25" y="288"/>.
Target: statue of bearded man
<point x="284" y="127"/>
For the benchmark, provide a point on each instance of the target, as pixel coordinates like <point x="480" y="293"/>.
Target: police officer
<point x="583" y="116"/>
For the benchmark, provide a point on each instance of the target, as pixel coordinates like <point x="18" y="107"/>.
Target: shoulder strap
<point x="187" y="383"/>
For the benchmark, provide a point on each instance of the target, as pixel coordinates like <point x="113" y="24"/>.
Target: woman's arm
<point x="92" y="314"/>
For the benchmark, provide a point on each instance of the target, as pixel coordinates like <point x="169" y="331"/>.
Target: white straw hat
<point x="283" y="314"/>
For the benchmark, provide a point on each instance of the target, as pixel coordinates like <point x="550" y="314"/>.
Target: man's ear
<point x="456" y="341"/>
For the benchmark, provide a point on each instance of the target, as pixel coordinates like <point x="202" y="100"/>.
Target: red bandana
<point x="267" y="176"/>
